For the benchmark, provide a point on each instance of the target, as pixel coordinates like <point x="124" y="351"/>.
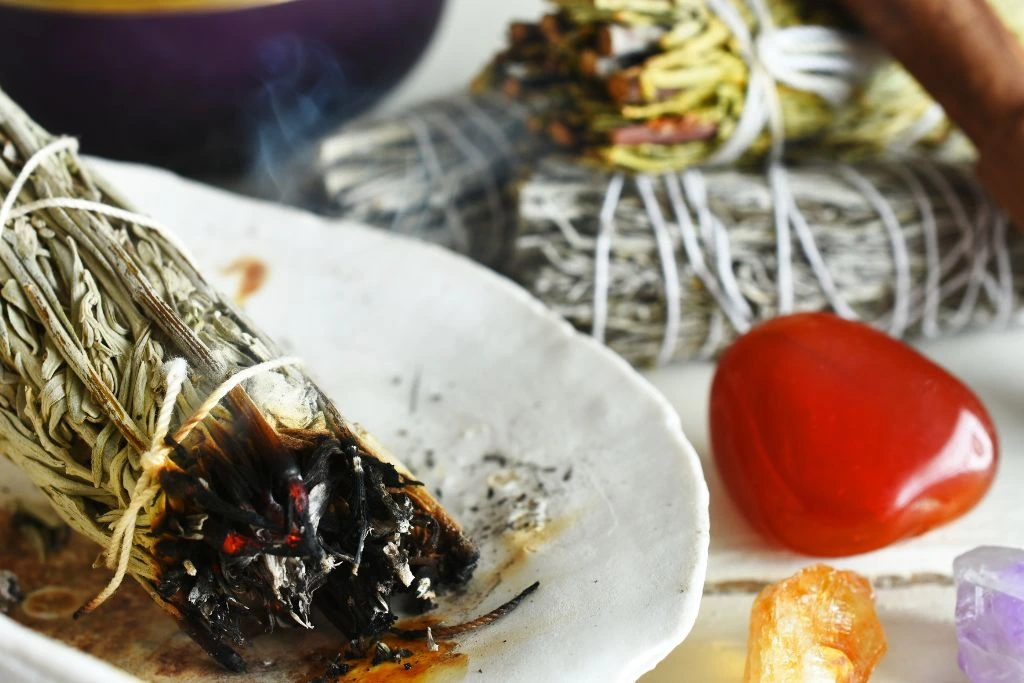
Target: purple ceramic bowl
<point x="205" y="85"/>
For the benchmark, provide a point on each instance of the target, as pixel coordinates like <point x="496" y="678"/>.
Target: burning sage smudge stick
<point x="162" y="425"/>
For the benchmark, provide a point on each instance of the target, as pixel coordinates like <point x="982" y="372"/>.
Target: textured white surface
<point x="29" y="657"/>
<point x="918" y="625"/>
<point x="431" y="351"/>
<point x="992" y="364"/>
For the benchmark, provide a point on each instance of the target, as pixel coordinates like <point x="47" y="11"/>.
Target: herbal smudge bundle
<point x="166" y="428"/>
<point x="654" y="86"/>
<point x="675" y="266"/>
<point x="658" y="85"/>
<point x="441" y="172"/>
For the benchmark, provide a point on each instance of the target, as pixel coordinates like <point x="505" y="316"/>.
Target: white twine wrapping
<point x="930" y="119"/>
<point x="435" y="173"/>
<point x="8" y="212"/>
<point x="478" y="162"/>
<point x="440" y="173"/>
<point x="901" y="302"/>
<point x="814" y="59"/>
<point x="156" y="458"/>
<point x="913" y="256"/>
<point x="603" y="249"/>
<point x="666" y="255"/>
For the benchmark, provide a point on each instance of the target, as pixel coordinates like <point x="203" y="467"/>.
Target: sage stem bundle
<point x="161" y="424"/>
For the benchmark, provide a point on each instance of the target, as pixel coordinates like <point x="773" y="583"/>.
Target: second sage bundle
<point x="674" y="266"/>
<point x="441" y="173"/>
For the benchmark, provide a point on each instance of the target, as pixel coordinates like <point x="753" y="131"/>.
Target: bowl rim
<point x="138" y="7"/>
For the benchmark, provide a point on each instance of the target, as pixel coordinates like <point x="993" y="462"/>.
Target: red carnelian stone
<point x="836" y="439"/>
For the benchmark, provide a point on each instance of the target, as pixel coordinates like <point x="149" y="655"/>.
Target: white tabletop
<point x="471" y="32"/>
<point x="918" y="618"/>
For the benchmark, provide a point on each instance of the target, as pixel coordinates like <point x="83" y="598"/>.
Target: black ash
<point x="258" y="533"/>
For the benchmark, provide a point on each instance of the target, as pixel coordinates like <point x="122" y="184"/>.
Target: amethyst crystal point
<point x="990" y="614"/>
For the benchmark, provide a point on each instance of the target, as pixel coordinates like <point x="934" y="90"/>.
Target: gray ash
<point x="496" y="458"/>
<point x="11" y="594"/>
<point x="517" y="494"/>
<point x="502" y="460"/>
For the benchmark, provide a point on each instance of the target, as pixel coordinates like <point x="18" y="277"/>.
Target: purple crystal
<point x="990" y="614"/>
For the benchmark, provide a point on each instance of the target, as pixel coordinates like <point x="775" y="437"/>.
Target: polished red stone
<point x="836" y="439"/>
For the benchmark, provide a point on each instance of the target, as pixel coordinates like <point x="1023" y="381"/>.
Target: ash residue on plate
<point x="57" y="582"/>
<point x="517" y="495"/>
<point x="394" y="660"/>
<point x="51" y="603"/>
<point x="496" y="493"/>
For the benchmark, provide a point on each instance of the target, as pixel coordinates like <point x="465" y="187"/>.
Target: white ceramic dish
<point x="433" y="353"/>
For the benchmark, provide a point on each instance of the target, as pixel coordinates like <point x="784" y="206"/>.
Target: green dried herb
<point x="661" y="85"/>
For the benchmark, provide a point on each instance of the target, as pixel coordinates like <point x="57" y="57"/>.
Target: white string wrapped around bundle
<point x="672" y="267"/>
<point x="705" y="299"/>
<point x="440" y="173"/>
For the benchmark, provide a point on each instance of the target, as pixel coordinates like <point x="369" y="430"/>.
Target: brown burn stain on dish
<point x="133" y="633"/>
<point x="532" y="540"/>
<point x="173" y="661"/>
<point x="253" y="273"/>
<point x="52" y="602"/>
<point x="422" y="666"/>
<point x="56" y="587"/>
<point x="519" y="546"/>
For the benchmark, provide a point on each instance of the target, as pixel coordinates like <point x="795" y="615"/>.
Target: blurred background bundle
<point x="662" y="173"/>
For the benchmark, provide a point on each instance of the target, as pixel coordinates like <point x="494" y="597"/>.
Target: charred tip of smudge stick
<point x="85" y="609"/>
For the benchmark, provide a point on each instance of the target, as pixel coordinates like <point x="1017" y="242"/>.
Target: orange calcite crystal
<point x="817" y="626"/>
